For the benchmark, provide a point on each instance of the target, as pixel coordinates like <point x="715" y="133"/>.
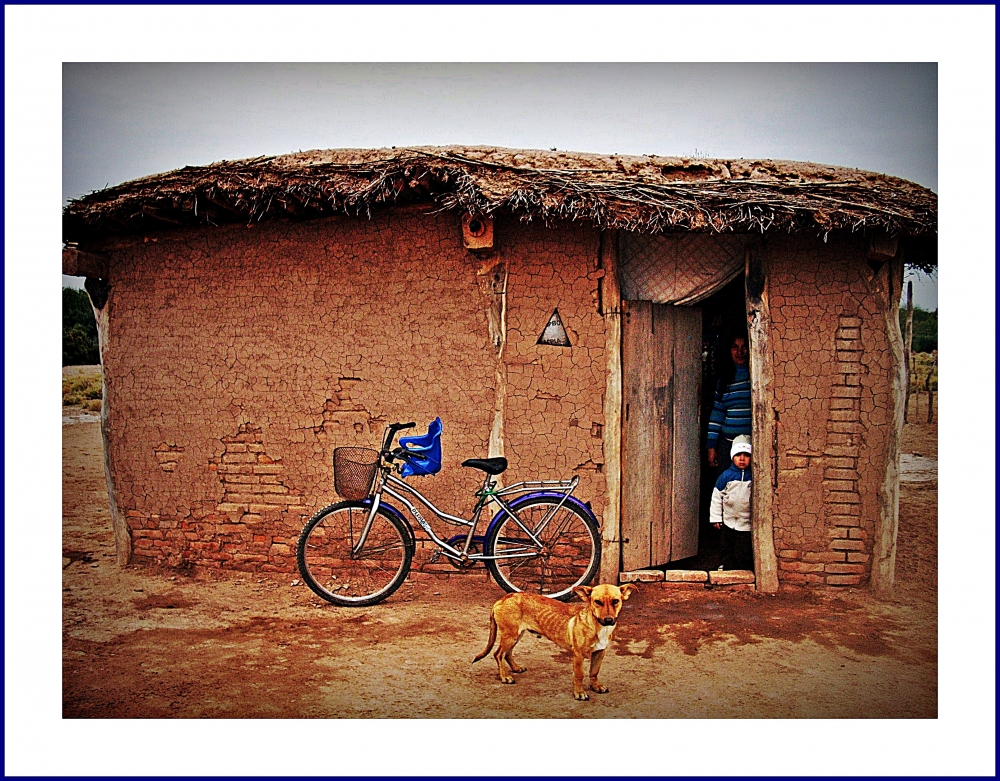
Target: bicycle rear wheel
<point x="331" y="569"/>
<point x="569" y="557"/>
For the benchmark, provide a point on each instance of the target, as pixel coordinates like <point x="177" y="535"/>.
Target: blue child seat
<point x="425" y="449"/>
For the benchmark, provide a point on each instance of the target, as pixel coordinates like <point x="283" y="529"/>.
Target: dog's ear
<point x="627" y="590"/>
<point x="583" y="592"/>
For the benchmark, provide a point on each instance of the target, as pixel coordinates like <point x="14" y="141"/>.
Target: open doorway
<point x="723" y="315"/>
<point x="680" y="294"/>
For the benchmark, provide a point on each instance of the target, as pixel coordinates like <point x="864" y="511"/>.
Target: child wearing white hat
<point x="730" y="508"/>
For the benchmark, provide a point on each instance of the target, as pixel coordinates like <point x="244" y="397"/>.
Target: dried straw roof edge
<point x="643" y="194"/>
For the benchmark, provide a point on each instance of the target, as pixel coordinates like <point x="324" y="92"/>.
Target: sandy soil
<point x="158" y="644"/>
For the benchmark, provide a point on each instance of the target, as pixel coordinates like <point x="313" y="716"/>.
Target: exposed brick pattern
<point x="253" y="526"/>
<point x="167" y="455"/>
<point x="840" y="476"/>
<point x="251" y="482"/>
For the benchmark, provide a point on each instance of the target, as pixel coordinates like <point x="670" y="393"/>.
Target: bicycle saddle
<point x="491" y="466"/>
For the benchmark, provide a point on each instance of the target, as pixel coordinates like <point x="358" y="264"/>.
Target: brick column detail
<point x="846" y="560"/>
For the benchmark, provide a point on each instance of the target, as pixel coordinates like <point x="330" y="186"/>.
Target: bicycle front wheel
<point x="570" y="551"/>
<point x="330" y="567"/>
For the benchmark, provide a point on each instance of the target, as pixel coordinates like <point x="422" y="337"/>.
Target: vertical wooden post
<point x="493" y="275"/>
<point x="930" y="392"/>
<point x="611" y="301"/>
<point x="888" y="281"/>
<point x="123" y="539"/>
<point x="908" y="347"/>
<point x="494" y="281"/>
<point x="765" y="433"/>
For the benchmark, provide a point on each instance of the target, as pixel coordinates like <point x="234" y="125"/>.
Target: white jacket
<point x="731" y="499"/>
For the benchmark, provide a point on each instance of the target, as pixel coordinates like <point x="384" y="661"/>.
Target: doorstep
<point x="735" y="577"/>
<point x="732" y="577"/>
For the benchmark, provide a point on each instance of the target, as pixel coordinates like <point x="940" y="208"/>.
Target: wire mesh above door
<point x="678" y="269"/>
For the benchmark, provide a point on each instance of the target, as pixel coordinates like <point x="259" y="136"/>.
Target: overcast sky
<point x="120" y="122"/>
<point x="126" y="120"/>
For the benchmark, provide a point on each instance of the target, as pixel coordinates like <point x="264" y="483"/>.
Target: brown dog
<point x="582" y="629"/>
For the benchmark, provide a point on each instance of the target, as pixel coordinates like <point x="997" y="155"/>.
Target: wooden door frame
<point x="764" y="429"/>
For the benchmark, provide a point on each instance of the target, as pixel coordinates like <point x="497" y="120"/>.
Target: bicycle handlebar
<point x="390" y="434"/>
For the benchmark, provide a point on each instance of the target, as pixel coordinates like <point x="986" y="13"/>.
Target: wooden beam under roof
<point x="77" y="263"/>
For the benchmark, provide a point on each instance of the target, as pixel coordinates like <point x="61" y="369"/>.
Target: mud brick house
<point x="253" y="315"/>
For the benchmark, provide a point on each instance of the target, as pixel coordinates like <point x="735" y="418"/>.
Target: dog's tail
<point x="492" y="640"/>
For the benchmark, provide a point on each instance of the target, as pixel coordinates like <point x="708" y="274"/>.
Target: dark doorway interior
<point x="723" y="314"/>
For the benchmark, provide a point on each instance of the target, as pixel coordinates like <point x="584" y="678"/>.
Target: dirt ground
<point x="158" y="644"/>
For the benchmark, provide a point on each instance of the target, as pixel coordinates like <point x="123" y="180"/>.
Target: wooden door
<point x="661" y="369"/>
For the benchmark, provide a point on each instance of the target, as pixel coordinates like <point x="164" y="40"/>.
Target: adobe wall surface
<point x="555" y="395"/>
<point x="832" y="381"/>
<point x="237" y="358"/>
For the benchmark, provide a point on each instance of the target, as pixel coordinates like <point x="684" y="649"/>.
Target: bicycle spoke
<point x="334" y="571"/>
<point x="569" y="554"/>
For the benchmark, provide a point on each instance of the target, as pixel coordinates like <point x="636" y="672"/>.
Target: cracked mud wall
<point x="832" y="393"/>
<point x="555" y="395"/>
<point x="237" y="358"/>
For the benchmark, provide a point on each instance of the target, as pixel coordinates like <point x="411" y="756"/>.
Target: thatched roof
<point x="646" y="194"/>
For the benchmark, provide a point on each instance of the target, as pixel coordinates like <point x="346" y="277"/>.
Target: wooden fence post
<point x="908" y="346"/>
<point x="930" y="392"/>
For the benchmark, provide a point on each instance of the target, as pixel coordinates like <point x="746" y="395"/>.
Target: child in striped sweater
<point x="731" y="415"/>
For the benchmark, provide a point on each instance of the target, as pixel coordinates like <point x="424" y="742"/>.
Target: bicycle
<point x="357" y="552"/>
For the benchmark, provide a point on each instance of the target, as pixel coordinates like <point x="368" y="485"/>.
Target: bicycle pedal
<point x="435" y="555"/>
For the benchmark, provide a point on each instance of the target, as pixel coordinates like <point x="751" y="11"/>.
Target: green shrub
<point x="79" y="329"/>
<point x="924" y="328"/>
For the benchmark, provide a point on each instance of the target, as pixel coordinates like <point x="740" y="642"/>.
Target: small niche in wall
<point x="477" y="232"/>
<point x="554" y="333"/>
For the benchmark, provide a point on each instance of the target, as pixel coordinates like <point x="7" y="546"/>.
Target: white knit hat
<point x="740" y="445"/>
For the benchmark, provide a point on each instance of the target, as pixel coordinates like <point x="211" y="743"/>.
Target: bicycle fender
<point x="392" y="510"/>
<point x="583" y="507"/>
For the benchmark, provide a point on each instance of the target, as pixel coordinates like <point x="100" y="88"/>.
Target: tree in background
<point x="79" y="329"/>
<point x="924" y="329"/>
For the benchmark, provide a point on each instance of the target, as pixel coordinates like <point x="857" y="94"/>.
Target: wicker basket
<point x="354" y="471"/>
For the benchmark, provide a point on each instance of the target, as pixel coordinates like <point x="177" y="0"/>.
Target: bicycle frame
<point x="389" y="484"/>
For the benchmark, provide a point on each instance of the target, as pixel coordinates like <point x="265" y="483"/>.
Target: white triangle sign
<point x="554" y="333"/>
